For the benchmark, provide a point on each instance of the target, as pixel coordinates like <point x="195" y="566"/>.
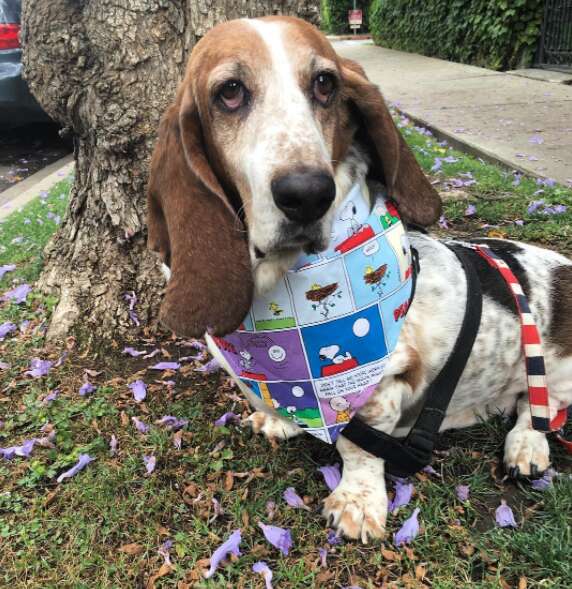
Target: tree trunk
<point x="106" y="70"/>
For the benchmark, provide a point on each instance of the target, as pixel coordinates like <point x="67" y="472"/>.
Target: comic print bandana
<point x="315" y="347"/>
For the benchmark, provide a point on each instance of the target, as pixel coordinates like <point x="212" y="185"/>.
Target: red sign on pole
<point x="355" y="18"/>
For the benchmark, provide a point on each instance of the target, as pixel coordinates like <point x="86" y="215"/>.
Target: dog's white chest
<point x="315" y="347"/>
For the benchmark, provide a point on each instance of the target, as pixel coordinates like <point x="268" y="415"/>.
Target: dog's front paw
<point x="526" y="453"/>
<point x="272" y="427"/>
<point x="357" y="513"/>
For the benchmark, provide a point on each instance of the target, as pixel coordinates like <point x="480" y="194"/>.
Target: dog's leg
<point x="274" y="428"/>
<point x="526" y="451"/>
<point x="358" y="506"/>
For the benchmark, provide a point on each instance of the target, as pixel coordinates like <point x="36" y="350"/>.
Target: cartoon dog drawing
<point x="342" y="408"/>
<point x="245" y="359"/>
<point x="348" y="213"/>
<point x="332" y="353"/>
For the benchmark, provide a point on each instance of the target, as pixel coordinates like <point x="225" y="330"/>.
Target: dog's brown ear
<point x="196" y="231"/>
<point x="417" y="200"/>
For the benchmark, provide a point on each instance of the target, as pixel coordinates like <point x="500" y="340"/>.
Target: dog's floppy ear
<point x="417" y="200"/>
<point x="196" y="231"/>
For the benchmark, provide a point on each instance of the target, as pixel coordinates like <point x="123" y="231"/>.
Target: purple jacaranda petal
<point x="166" y="366"/>
<point x="165" y="551"/>
<point x="228" y="417"/>
<point x="517" y="179"/>
<point x="83" y="461"/>
<point x="534" y="206"/>
<point x="408" y="531"/>
<point x="24" y="450"/>
<point x="231" y="546"/>
<point x="210" y="367"/>
<point x="6" y="268"/>
<point x="519" y="222"/>
<point x="23" y="327"/>
<point x="139" y="390"/>
<point x="17" y="295"/>
<point x="4" y="365"/>
<point x="217" y="509"/>
<point x="39" y="367"/>
<point x="133" y="352"/>
<point x="470" y="210"/>
<point x="86" y="389"/>
<point x="333" y="538"/>
<point x="430" y="470"/>
<point x="172" y="423"/>
<point x="279" y="537"/>
<point x="113" y="445"/>
<point x="443" y="222"/>
<point x="195" y="344"/>
<point x="550" y="182"/>
<point x="293" y="499"/>
<point x="47" y="441"/>
<point x="437" y="165"/>
<point x="262" y="568"/>
<point x="536" y="140"/>
<point x="140" y="425"/>
<point x="271" y="509"/>
<point x="332" y="475"/>
<point x="544" y="483"/>
<point x="462" y="492"/>
<point x="403" y="494"/>
<point x="6" y="328"/>
<point x="150" y="463"/>
<point x="450" y="159"/>
<point x="555" y="210"/>
<point x="504" y="516"/>
<point x="152" y="354"/>
<point x="178" y="439"/>
<point x="323" y="552"/>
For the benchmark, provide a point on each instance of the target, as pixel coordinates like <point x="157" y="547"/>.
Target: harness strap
<point x="407" y="456"/>
<point x="531" y="347"/>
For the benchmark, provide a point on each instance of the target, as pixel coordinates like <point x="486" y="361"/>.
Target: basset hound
<point x="268" y="132"/>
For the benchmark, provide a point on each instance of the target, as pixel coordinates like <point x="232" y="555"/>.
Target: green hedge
<point x="334" y="16"/>
<point x="498" y="34"/>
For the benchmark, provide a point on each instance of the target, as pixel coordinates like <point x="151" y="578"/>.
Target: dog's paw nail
<point x="534" y="473"/>
<point x="514" y="472"/>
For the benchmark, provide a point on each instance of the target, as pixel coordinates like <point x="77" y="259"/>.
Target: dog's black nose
<point x="304" y="197"/>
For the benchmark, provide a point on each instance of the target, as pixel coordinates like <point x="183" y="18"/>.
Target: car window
<point x="10" y="11"/>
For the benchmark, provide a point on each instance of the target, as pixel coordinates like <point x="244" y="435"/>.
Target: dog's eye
<point x="324" y="86"/>
<point x="232" y="94"/>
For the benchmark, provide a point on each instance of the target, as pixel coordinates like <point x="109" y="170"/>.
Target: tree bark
<point x="106" y="70"/>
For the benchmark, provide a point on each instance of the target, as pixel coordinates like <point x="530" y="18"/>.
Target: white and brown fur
<point x="234" y="159"/>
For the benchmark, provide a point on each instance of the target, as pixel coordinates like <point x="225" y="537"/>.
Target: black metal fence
<point x="555" y="47"/>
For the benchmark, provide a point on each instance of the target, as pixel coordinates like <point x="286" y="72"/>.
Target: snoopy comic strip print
<point x="315" y="347"/>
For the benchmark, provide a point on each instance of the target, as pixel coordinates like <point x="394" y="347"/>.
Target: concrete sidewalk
<point x="523" y="123"/>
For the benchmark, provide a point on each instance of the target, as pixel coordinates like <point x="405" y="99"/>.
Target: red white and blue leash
<point x="538" y="395"/>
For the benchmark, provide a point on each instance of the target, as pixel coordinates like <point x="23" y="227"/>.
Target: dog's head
<point x="248" y="159"/>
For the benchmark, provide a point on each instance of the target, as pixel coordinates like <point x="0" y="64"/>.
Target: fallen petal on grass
<point x="231" y="546"/>
<point x="166" y="366"/>
<point x="504" y="516"/>
<point x="403" y="494"/>
<point x="83" y="461"/>
<point x="262" y="568"/>
<point x="408" y="531"/>
<point x="279" y="537"/>
<point x="293" y="499"/>
<point x="462" y="492"/>
<point x="332" y="475"/>
<point x="150" y="463"/>
<point x="139" y="390"/>
<point x="228" y="417"/>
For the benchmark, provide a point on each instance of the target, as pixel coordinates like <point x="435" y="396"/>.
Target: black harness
<point x="406" y="456"/>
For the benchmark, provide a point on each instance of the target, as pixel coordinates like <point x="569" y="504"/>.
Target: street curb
<point x="22" y="193"/>
<point x="469" y="148"/>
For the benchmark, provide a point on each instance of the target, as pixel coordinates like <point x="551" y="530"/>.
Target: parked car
<point x="17" y="105"/>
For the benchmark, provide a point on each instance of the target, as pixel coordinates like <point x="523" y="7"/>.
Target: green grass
<point x="70" y="535"/>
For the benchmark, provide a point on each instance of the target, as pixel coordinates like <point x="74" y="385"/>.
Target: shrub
<point x="334" y="16"/>
<point x="498" y="34"/>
